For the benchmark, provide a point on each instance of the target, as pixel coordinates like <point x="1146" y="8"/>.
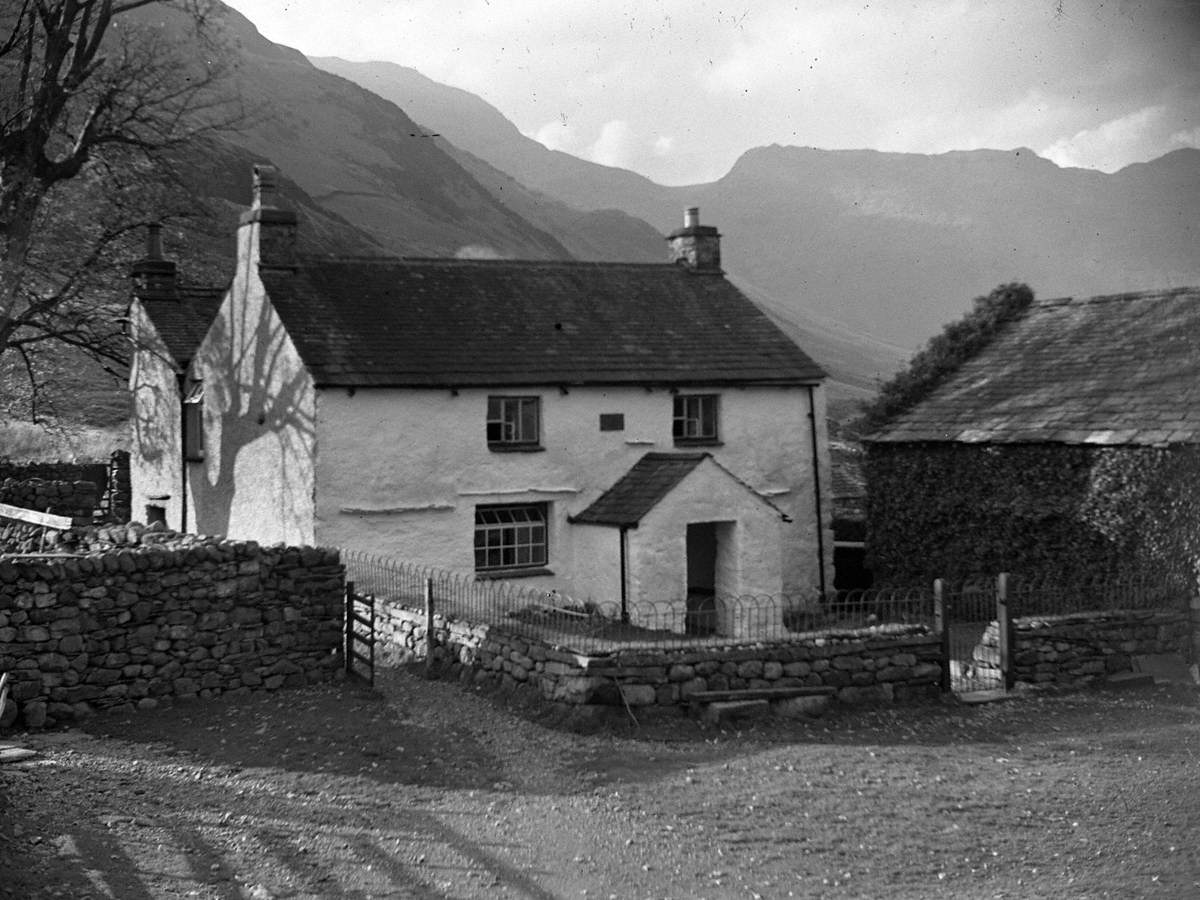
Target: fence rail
<point x="591" y="626"/>
<point x="1051" y="597"/>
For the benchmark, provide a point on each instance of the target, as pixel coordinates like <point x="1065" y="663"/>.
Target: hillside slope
<point x="889" y="245"/>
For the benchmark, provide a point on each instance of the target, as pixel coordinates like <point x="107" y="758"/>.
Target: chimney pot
<point x="154" y="278"/>
<point x="154" y="245"/>
<point x="266" y="185"/>
<point x="272" y="235"/>
<point x="696" y="246"/>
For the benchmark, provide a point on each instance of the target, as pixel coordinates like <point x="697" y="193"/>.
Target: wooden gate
<point x="360" y="635"/>
<point x="976" y="628"/>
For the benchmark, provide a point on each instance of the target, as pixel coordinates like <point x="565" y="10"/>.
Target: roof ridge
<point x="315" y="260"/>
<point x="1121" y="297"/>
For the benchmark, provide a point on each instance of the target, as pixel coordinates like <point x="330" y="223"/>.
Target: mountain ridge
<point x="890" y="245"/>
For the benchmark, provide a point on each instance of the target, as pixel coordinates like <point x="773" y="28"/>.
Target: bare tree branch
<point x="94" y="104"/>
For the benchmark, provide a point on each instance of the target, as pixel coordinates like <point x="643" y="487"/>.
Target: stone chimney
<point x="154" y="278"/>
<point x="694" y="245"/>
<point x="267" y="231"/>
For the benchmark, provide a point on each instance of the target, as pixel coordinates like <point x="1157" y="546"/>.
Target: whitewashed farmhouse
<point x="612" y="431"/>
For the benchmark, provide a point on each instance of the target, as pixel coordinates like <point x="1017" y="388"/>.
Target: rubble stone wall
<point x="170" y="617"/>
<point x="867" y="668"/>
<point x="1076" y="649"/>
<point x="77" y="499"/>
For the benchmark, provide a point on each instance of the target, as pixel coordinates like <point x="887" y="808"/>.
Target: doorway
<point x="702" y="545"/>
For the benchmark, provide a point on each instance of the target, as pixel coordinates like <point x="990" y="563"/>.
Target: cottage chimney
<point x="267" y="232"/>
<point x="694" y="245"/>
<point x="154" y="278"/>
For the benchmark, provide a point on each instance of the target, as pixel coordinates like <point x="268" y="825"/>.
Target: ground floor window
<point x="510" y="537"/>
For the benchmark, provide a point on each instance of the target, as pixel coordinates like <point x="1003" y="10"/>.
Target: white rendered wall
<point x="748" y="560"/>
<point x="155" y="454"/>
<point x="399" y="472"/>
<point x="256" y="482"/>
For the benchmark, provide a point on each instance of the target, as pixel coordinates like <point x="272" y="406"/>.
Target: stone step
<point x="728" y="711"/>
<point x="1123" y="680"/>
<point x="994" y="695"/>
<point x="778" y="693"/>
<point x="12" y="754"/>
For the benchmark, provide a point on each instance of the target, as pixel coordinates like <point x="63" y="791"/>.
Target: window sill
<point x="516" y="448"/>
<point x="506" y="574"/>
<point x="699" y="442"/>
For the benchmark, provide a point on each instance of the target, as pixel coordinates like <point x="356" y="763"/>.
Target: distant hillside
<point x="474" y="125"/>
<point x="889" y="245"/>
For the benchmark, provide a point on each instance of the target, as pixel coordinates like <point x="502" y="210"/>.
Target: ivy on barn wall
<point x="944" y="355"/>
<point x="1041" y="510"/>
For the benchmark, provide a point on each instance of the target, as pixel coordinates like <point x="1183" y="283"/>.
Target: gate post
<point x="1004" y="630"/>
<point x="429" y="639"/>
<point x="348" y="624"/>
<point x="941" y="624"/>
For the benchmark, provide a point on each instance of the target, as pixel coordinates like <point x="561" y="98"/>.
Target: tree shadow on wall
<point x="256" y="478"/>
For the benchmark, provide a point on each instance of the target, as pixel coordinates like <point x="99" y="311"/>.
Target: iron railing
<point x="599" y="626"/>
<point x="1138" y="591"/>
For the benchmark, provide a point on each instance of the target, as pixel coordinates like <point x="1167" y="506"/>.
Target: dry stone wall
<point x="112" y="495"/>
<point x="1077" y="649"/>
<point x="167" y="617"/>
<point x="867" y="668"/>
<point x="77" y="499"/>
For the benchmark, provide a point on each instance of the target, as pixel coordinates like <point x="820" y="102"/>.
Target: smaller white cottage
<point x="633" y="433"/>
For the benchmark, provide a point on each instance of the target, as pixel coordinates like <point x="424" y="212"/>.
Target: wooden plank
<point x="33" y="517"/>
<point x="779" y="693"/>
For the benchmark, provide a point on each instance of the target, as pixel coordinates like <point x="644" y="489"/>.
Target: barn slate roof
<point x="1114" y="369"/>
<point x="640" y="489"/>
<point x="459" y="323"/>
<point x="182" y="321"/>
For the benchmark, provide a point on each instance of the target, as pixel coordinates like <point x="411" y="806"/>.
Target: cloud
<point x="1187" y="138"/>
<point x="1111" y="145"/>
<point x="616" y="145"/>
<point x="663" y="145"/>
<point x="558" y="135"/>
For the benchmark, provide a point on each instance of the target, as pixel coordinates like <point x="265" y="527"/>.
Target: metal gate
<point x="976" y="634"/>
<point x="360" y="635"/>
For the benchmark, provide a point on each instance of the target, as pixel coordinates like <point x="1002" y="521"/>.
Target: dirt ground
<point x="429" y="790"/>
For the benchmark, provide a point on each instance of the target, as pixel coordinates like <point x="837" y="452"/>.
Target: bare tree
<point x="97" y="100"/>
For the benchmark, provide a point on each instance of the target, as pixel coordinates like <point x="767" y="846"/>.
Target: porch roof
<point x="640" y="489"/>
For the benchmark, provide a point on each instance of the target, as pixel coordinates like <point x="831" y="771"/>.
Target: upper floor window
<point x="514" y="422"/>
<point x="695" y="419"/>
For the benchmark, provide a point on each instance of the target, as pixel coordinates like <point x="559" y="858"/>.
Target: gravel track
<point x="429" y="790"/>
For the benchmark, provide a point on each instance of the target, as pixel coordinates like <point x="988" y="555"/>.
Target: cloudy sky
<point x="678" y="89"/>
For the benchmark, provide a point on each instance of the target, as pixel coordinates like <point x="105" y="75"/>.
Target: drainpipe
<point x="812" y="428"/>
<point x="621" y="538"/>
<point x="183" y="463"/>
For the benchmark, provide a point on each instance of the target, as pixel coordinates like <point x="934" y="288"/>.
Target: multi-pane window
<point x="510" y="537"/>
<point x="695" y="418"/>
<point x="513" y="421"/>
<point x="193" y="423"/>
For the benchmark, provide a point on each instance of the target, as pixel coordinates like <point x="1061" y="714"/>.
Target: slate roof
<point x="640" y="489"/>
<point x="849" y="484"/>
<point x="182" y="321"/>
<point x="1118" y="369"/>
<point x="459" y="323"/>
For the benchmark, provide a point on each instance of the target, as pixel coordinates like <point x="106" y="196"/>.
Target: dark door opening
<point x="701" y="616"/>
